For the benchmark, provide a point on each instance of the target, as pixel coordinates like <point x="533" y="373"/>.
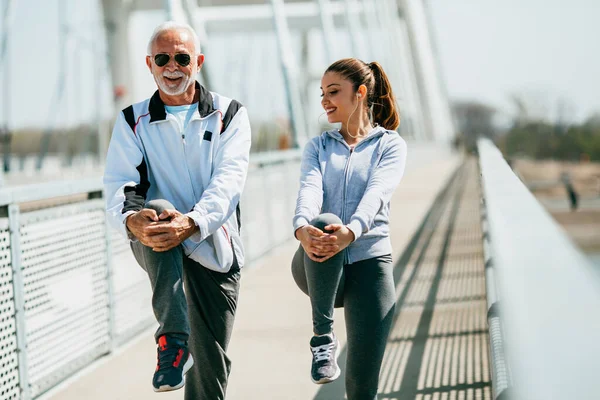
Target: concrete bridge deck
<point x="438" y="348"/>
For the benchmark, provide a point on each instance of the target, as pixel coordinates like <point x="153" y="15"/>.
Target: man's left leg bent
<point x="212" y="302"/>
<point x="165" y="270"/>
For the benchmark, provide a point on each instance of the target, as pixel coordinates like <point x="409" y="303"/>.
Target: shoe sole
<point x="323" y="381"/>
<point x="166" y="388"/>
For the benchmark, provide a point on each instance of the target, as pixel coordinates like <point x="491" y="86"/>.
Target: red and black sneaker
<point x="174" y="360"/>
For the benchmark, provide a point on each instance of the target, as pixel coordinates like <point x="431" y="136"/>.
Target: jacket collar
<point x="205" y="104"/>
<point x="376" y="131"/>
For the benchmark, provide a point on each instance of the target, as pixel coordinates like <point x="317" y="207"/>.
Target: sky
<point x="544" y="51"/>
<point x="35" y="60"/>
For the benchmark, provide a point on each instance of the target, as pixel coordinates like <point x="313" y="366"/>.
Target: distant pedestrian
<point x="571" y="193"/>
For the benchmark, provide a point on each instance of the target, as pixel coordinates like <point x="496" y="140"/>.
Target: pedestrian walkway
<point x="269" y="347"/>
<point x="438" y="348"/>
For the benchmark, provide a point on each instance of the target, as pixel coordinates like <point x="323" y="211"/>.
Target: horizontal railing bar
<point x="65" y="188"/>
<point x="549" y="293"/>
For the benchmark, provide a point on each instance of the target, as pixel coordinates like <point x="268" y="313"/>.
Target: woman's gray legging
<point x="366" y="291"/>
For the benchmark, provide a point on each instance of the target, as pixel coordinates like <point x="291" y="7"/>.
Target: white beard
<point x="169" y="87"/>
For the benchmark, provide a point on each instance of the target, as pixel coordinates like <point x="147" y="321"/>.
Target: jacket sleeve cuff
<point x="299" y="222"/>
<point x="356" y="227"/>
<point x="130" y="235"/>
<point x="200" y="222"/>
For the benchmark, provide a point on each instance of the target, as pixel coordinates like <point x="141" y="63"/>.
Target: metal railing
<point x="70" y="290"/>
<point x="543" y="295"/>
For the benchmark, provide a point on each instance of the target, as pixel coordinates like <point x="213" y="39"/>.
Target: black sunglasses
<point x="161" y="59"/>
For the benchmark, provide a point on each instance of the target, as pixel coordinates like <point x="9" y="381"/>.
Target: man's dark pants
<point x="203" y="315"/>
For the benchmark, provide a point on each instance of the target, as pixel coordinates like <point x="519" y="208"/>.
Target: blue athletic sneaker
<point x="174" y="360"/>
<point x="325" y="350"/>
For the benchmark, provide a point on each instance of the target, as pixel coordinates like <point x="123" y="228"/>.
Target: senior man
<point x="175" y="170"/>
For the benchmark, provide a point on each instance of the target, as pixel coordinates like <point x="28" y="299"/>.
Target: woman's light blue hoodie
<point x="354" y="184"/>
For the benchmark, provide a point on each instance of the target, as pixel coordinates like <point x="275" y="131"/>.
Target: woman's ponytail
<point x="383" y="102"/>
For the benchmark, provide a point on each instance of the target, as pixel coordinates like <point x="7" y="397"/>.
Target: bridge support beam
<point x="116" y="21"/>
<point x="416" y="114"/>
<point x="327" y="29"/>
<point x="437" y="115"/>
<point x="290" y="76"/>
<point x="190" y="10"/>
<point x="5" y="66"/>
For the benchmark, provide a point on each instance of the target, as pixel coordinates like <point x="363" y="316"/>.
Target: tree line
<point x="528" y="137"/>
<point x="543" y="140"/>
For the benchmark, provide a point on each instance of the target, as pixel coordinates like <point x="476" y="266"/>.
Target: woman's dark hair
<point x="379" y="89"/>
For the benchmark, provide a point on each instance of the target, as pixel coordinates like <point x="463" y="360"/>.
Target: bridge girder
<point x="413" y="52"/>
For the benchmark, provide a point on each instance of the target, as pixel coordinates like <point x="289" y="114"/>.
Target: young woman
<point x="347" y="179"/>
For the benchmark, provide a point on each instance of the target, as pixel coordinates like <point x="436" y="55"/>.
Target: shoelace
<point x="167" y="357"/>
<point x="323" y="353"/>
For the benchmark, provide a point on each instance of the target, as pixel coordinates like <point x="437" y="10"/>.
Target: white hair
<point x="173" y="25"/>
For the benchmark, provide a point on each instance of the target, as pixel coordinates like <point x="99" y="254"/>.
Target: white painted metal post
<point x="288" y="65"/>
<point x="437" y="116"/>
<point x="402" y="62"/>
<point x="14" y="227"/>
<point x="99" y="194"/>
<point x="414" y="97"/>
<point x="174" y="11"/>
<point x="103" y="130"/>
<point x="353" y="26"/>
<point x="116" y="20"/>
<point x="185" y="11"/>
<point x="445" y="99"/>
<point x="376" y="41"/>
<point x="388" y="40"/>
<point x="7" y="21"/>
<point x="327" y="28"/>
<point x="111" y="291"/>
<point x="191" y="11"/>
<point x="60" y="98"/>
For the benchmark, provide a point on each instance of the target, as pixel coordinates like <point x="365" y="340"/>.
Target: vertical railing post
<point x="14" y="227"/>
<point x="110" y="286"/>
<point x="109" y="276"/>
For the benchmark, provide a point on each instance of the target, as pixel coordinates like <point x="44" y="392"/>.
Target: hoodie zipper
<point x="346" y="169"/>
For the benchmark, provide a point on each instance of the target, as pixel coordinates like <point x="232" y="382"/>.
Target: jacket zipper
<point x="346" y="169"/>
<point x="183" y="143"/>
<point x="183" y="146"/>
